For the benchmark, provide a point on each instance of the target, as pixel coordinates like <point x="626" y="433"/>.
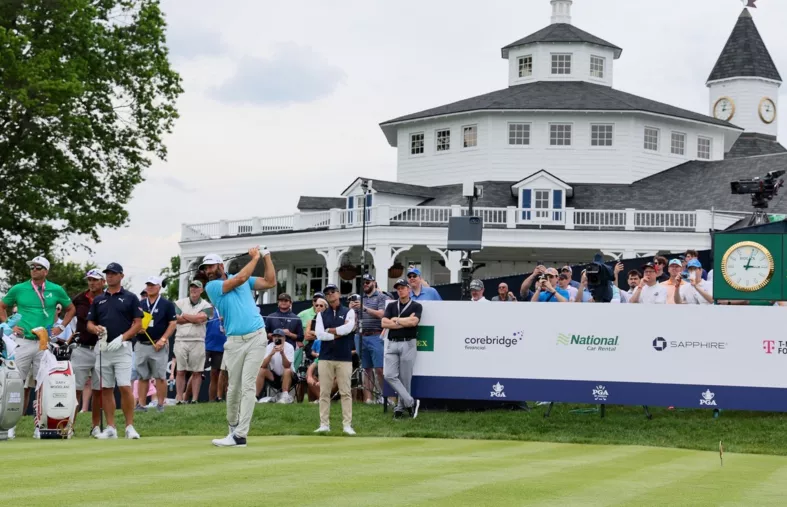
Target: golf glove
<point x="264" y="250"/>
<point x="115" y="344"/>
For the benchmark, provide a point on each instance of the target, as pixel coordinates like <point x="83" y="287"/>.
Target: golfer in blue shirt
<point x="244" y="350"/>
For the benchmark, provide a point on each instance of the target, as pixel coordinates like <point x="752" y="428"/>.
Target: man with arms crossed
<point x="115" y="316"/>
<point x="83" y="358"/>
<point x="36" y="300"/>
<point x="244" y="351"/>
<point x="401" y="319"/>
<point x="193" y="314"/>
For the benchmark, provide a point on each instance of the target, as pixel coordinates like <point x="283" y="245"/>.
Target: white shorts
<point x="83" y="362"/>
<point x="115" y="367"/>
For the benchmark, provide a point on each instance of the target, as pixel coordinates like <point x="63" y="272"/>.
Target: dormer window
<point x="561" y="63"/>
<point x="597" y="67"/>
<point x="525" y="66"/>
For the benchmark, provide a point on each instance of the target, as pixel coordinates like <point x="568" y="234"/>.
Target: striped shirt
<point x="374" y="302"/>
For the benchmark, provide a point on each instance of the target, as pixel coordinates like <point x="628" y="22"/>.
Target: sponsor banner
<point x="681" y="355"/>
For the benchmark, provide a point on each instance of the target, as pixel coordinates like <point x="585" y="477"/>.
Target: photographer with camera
<point x="546" y="290"/>
<point x="525" y="291"/>
<point x="276" y="368"/>
<point x="649" y="291"/>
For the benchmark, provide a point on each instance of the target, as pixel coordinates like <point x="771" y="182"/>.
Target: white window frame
<point x="438" y="142"/>
<point x="603" y="63"/>
<point x="529" y="134"/>
<point x="672" y="143"/>
<point x="521" y="65"/>
<point x="611" y="138"/>
<point x="555" y="64"/>
<point x="710" y="147"/>
<point x="540" y="214"/>
<point x="294" y="275"/>
<point x="570" y="135"/>
<point x="474" y="137"/>
<point x="423" y="143"/>
<point x="645" y="138"/>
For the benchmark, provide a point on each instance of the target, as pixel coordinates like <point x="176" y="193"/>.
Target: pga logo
<point x="708" y="399"/>
<point x="497" y="391"/>
<point x="600" y="393"/>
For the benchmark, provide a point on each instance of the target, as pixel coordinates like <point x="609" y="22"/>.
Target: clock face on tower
<point x="767" y="110"/>
<point x="747" y="266"/>
<point x="724" y="109"/>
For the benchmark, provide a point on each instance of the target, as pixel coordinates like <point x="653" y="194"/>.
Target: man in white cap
<point x="83" y="358"/>
<point x="244" y="351"/>
<point x="193" y="314"/>
<point x="151" y="352"/>
<point x="36" y="300"/>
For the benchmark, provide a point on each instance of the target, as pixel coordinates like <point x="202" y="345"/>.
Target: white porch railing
<point x="438" y="216"/>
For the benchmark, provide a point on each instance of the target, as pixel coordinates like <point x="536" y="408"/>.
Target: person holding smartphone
<point x="547" y="290"/>
<point x="697" y="291"/>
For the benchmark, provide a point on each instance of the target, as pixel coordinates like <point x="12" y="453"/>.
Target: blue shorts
<point x="373" y="349"/>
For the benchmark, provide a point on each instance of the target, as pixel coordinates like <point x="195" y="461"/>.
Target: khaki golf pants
<point x="341" y="372"/>
<point x="243" y="356"/>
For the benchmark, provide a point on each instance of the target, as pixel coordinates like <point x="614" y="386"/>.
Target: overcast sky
<point x="284" y="99"/>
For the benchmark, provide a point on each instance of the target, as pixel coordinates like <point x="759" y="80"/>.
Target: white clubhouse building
<point x="568" y="166"/>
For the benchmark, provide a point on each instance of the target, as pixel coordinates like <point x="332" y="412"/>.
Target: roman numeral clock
<point x="749" y="266"/>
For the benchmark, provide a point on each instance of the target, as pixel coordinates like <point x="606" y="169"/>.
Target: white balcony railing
<point x="438" y="216"/>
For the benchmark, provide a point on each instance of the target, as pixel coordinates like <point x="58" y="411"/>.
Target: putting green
<point x="335" y="471"/>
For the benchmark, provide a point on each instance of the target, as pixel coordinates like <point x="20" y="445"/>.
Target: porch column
<point x="384" y="257"/>
<point x="290" y="280"/>
<point x="333" y="258"/>
<point x="184" y="278"/>
<point x="453" y="261"/>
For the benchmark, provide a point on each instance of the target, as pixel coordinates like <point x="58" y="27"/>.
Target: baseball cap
<point x="94" y="273"/>
<point x="476" y="285"/>
<point x="153" y="280"/>
<point x="284" y="297"/>
<point x="566" y="268"/>
<point x="114" y="267"/>
<point x="210" y="260"/>
<point x="279" y="332"/>
<point x="195" y="283"/>
<point x="399" y="282"/>
<point x="414" y="271"/>
<point x="552" y="271"/>
<point x="648" y="265"/>
<point x="318" y="295"/>
<point x="328" y="287"/>
<point x="39" y="261"/>
<point x="675" y="262"/>
<point x="694" y="263"/>
<point x="368" y="277"/>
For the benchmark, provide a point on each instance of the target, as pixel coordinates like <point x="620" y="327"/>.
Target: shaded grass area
<point x="742" y="432"/>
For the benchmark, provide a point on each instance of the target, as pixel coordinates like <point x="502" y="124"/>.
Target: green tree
<point x="86" y="95"/>
<point x="172" y="279"/>
<point x="69" y="274"/>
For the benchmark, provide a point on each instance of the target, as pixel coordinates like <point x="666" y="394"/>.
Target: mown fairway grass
<point x="279" y="470"/>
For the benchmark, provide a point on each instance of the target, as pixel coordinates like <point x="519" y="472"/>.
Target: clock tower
<point x="744" y="83"/>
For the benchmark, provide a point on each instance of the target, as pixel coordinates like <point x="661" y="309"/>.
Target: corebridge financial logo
<point x="488" y="342"/>
<point x="590" y="341"/>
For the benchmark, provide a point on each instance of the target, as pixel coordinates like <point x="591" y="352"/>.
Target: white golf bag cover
<point x="56" y="398"/>
<point x="11" y="396"/>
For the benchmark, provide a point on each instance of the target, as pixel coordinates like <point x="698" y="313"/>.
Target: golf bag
<point x="11" y="393"/>
<point x="56" y="397"/>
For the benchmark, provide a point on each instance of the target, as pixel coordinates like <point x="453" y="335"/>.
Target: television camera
<point x="600" y="278"/>
<point x="762" y="190"/>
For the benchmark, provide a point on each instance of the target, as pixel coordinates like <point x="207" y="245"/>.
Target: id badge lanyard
<point x="152" y="310"/>
<point x="40" y="295"/>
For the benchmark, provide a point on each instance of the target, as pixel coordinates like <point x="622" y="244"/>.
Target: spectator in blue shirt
<point x="547" y="290"/>
<point x="286" y="320"/>
<point x="419" y="292"/>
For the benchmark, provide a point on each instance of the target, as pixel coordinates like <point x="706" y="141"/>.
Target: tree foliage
<point x="86" y="95"/>
<point x="69" y="274"/>
<point x="173" y="280"/>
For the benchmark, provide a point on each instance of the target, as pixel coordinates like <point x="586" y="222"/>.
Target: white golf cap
<point x="39" y="261"/>
<point x="211" y="259"/>
<point x="94" y="273"/>
<point x="153" y="280"/>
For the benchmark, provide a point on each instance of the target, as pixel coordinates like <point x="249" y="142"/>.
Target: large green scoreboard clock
<point x="749" y="266"/>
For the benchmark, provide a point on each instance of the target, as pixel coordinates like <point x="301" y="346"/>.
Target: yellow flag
<point x="146" y="318"/>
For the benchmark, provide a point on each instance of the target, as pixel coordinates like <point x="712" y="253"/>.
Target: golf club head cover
<point x="43" y="337"/>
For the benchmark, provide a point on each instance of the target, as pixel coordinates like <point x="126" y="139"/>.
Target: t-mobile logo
<point x="768" y="346"/>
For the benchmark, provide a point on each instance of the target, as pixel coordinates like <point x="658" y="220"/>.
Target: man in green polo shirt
<point x="36" y="300"/>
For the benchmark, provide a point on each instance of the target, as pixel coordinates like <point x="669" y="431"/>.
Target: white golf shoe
<point x="108" y="433"/>
<point x="323" y="429"/>
<point x="131" y="433"/>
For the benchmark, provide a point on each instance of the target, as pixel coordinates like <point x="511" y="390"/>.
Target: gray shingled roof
<point x="321" y="203"/>
<point x="745" y="54"/>
<point x="561" y="32"/>
<point x="751" y="144"/>
<point x="497" y="194"/>
<point x="562" y="96"/>
<point x="393" y="187"/>
<point x="689" y="186"/>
